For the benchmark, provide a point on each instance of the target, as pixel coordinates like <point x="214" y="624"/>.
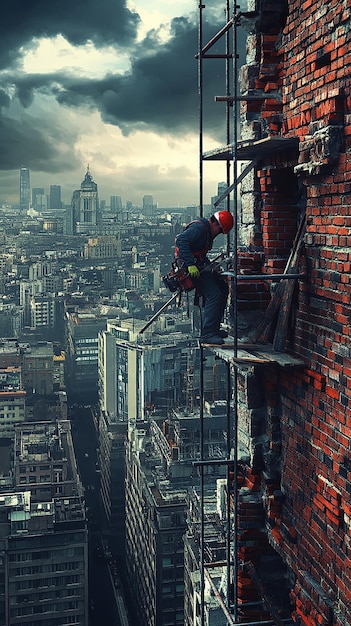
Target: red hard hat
<point x="225" y="220"/>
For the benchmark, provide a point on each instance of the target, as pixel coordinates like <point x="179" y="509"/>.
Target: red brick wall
<point x="308" y="60"/>
<point x="316" y="403"/>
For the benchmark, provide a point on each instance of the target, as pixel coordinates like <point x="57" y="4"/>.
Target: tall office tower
<point x="115" y="204"/>
<point x="68" y="221"/>
<point x="38" y="199"/>
<point x="85" y="204"/>
<point x="148" y="205"/>
<point x="24" y="188"/>
<point x="55" y="197"/>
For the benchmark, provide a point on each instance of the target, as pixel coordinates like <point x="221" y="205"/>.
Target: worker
<point x="192" y="246"/>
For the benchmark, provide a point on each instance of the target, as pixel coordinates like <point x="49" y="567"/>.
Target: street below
<point x="105" y="590"/>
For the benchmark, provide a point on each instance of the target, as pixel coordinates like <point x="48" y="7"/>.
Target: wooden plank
<point x="242" y="356"/>
<point x="262" y="591"/>
<point x="263" y="328"/>
<point x="267" y="351"/>
<point x="255" y="354"/>
<point x="282" y="359"/>
<point x="249" y="149"/>
<point x="281" y="330"/>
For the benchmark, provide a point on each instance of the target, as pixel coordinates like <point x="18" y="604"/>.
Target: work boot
<point x="222" y="333"/>
<point x="214" y="339"/>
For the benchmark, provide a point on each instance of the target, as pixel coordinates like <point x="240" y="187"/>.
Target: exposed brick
<point x="307" y="411"/>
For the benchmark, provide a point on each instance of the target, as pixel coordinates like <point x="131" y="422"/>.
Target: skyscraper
<point x="115" y="204"/>
<point x="55" y="197"/>
<point x="24" y="188"/>
<point x="38" y="199"/>
<point x="85" y="205"/>
<point x="148" y="205"/>
<point x="222" y="206"/>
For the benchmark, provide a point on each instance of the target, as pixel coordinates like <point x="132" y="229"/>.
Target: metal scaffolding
<point x="230" y="56"/>
<point x="233" y="152"/>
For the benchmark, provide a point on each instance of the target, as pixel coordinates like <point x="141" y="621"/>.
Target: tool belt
<point x="178" y="278"/>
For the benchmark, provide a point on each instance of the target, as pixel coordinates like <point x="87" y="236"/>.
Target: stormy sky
<point x="112" y="84"/>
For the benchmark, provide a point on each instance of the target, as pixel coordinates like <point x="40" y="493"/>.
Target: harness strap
<point x="199" y="254"/>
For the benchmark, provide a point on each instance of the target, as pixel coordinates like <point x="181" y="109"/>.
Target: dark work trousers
<point x="215" y="292"/>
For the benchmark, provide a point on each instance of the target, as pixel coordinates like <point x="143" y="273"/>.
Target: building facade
<point x="43" y="311"/>
<point x="103" y="247"/>
<point x="155" y="524"/>
<point x="148" y="205"/>
<point x="116" y="204"/>
<point x="44" y="564"/>
<point x="44" y="460"/>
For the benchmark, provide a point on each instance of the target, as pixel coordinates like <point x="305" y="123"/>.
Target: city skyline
<point x="41" y="198"/>
<point x="116" y="89"/>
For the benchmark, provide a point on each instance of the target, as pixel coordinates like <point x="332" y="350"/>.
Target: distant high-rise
<point x="115" y="204"/>
<point x="55" y="197"/>
<point x="148" y="205"/>
<point x="38" y="199"/>
<point x="85" y="205"/>
<point x="24" y="188"/>
<point x="223" y="204"/>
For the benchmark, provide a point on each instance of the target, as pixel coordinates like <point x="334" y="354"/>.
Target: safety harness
<point x="178" y="277"/>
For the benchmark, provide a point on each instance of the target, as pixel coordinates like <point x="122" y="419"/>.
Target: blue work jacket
<point x="194" y="242"/>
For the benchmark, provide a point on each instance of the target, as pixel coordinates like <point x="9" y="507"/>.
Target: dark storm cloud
<point x="38" y="142"/>
<point x="105" y="22"/>
<point x="158" y="93"/>
<point x="25" y="140"/>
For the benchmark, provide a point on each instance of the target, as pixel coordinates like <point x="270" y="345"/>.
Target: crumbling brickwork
<point x="299" y="60"/>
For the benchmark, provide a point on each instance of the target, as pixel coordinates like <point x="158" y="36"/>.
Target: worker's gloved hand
<point x="193" y="271"/>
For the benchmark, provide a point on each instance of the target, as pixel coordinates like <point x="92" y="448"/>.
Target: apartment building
<point x="44" y="561"/>
<point x="44" y="460"/>
<point x="82" y="351"/>
<point x="135" y="375"/>
<point x="38" y="367"/>
<point x="12" y="400"/>
<point x="43" y="531"/>
<point x="155" y="523"/>
<point x="160" y="474"/>
<point x="42" y="311"/>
